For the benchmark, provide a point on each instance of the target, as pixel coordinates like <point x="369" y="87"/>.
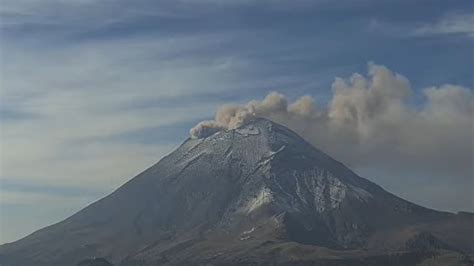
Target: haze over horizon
<point x="94" y="92"/>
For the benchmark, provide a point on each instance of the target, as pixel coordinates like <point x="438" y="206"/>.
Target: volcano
<point x="255" y="195"/>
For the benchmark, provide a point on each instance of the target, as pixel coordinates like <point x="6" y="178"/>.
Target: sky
<point x="92" y="92"/>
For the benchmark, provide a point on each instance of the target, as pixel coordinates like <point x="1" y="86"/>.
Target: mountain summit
<point x="258" y="194"/>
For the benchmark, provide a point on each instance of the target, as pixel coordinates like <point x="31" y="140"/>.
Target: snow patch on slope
<point x="247" y="131"/>
<point x="361" y="193"/>
<point x="321" y="188"/>
<point x="263" y="197"/>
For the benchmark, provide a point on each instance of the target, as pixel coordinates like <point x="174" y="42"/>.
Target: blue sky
<point x="93" y="92"/>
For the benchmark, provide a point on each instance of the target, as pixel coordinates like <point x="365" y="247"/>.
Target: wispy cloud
<point x="459" y="23"/>
<point x="80" y="96"/>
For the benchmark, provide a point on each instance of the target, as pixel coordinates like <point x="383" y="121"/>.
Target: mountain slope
<point x="227" y="196"/>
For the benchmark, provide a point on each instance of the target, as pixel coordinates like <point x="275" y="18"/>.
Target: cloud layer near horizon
<point x="373" y="122"/>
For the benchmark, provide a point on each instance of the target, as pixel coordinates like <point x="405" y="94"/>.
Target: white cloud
<point x="458" y="23"/>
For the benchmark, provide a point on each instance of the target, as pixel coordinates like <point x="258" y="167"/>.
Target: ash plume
<point x="371" y="120"/>
<point x="205" y="128"/>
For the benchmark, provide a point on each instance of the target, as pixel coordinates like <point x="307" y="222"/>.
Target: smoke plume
<point x="373" y="120"/>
